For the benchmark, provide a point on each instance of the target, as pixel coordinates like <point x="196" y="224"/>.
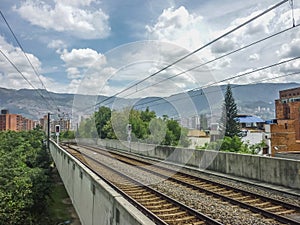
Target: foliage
<point x="67" y="135"/>
<point x="229" y="114"/>
<point x="175" y="135"/>
<point x="87" y="128"/>
<point x="254" y="149"/>
<point x="233" y="144"/>
<point x="24" y="177"/>
<point x="101" y="117"/>
<point x="145" y="127"/>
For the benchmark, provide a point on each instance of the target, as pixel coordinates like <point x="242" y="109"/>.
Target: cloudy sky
<point x="94" y="46"/>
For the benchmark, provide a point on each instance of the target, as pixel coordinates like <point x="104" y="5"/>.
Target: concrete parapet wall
<point x="93" y="199"/>
<point x="283" y="172"/>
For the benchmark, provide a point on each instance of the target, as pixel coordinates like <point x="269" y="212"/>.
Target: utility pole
<point x="48" y="133"/>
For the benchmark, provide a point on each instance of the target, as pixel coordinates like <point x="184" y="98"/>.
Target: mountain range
<point x="255" y="99"/>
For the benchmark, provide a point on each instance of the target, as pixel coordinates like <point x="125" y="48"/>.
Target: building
<point x="43" y="123"/>
<point x="63" y="123"/>
<point x="198" y="138"/>
<point x="249" y="122"/>
<point x="195" y="122"/>
<point x="285" y="130"/>
<point x="14" y="122"/>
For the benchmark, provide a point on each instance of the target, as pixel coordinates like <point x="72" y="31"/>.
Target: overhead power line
<point x="216" y="59"/>
<point x="19" y="71"/>
<point x="34" y="69"/>
<point x="232" y="78"/>
<point x="223" y="88"/>
<point x="195" y="51"/>
<point x="253" y="71"/>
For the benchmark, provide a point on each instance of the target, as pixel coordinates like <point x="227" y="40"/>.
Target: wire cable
<point x="197" y="50"/>
<point x="34" y="69"/>
<point x="213" y="60"/>
<point x="231" y="78"/>
<point x="19" y="71"/>
<point x="233" y="87"/>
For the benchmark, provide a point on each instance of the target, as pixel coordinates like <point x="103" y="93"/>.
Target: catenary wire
<point x="233" y="87"/>
<point x="234" y="77"/>
<point x="195" y="51"/>
<point x="213" y="60"/>
<point x="34" y="69"/>
<point x="19" y="71"/>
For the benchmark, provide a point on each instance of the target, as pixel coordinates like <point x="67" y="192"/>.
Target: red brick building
<point x="285" y="134"/>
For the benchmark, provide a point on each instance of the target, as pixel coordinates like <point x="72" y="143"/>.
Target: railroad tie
<point x="273" y="207"/>
<point x="285" y="212"/>
<point x="165" y="210"/>
<point x="251" y="200"/>
<point x="179" y="219"/>
<point x="241" y="198"/>
<point x="157" y="206"/>
<point x="175" y="214"/>
<point x="261" y="204"/>
<point x="196" y="223"/>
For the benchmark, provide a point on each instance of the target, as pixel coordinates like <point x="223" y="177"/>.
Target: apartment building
<point x="14" y="122"/>
<point x="285" y="131"/>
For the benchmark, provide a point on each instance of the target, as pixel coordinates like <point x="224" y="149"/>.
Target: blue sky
<point x="93" y="46"/>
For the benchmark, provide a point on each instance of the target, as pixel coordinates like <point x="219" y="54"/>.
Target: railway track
<point x="268" y="207"/>
<point x="157" y="206"/>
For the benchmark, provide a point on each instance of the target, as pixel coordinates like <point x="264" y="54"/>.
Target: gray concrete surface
<point x="272" y="170"/>
<point x="95" y="202"/>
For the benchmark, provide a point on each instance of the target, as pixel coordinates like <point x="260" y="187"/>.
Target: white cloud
<point x="82" y="58"/>
<point x="86" y="68"/>
<point x="224" y="45"/>
<point x="254" y="57"/>
<point x="11" y="78"/>
<point x="180" y="27"/>
<point x="290" y="67"/>
<point x="67" y="16"/>
<point x="291" y="49"/>
<point x="259" y="25"/>
<point x="76" y="2"/>
<point x="73" y="73"/>
<point x="57" y="44"/>
<point x="285" y="17"/>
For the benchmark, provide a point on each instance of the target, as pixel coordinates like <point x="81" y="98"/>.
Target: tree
<point x="229" y="115"/>
<point x="145" y="126"/>
<point x="147" y="115"/>
<point x="24" y="178"/>
<point x="175" y="134"/>
<point x="101" y="119"/>
<point x="87" y="128"/>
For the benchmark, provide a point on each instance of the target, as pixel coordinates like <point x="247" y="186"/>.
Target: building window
<point x="286" y="112"/>
<point x="286" y="126"/>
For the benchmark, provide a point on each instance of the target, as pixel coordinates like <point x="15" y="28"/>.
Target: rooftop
<point x="249" y="119"/>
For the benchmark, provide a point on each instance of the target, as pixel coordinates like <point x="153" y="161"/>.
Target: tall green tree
<point x="228" y="121"/>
